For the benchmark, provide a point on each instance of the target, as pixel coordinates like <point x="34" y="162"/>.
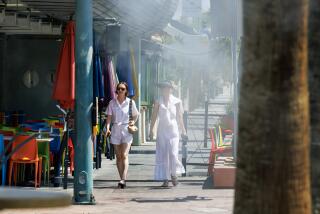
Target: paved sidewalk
<point x="143" y="195"/>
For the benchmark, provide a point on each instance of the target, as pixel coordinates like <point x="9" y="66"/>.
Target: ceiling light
<point x="15" y="5"/>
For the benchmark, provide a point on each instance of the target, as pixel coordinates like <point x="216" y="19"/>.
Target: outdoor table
<point x="7" y="138"/>
<point x="39" y="140"/>
<point x="11" y="198"/>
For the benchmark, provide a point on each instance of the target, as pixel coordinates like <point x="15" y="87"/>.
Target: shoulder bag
<point x="131" y="128"/>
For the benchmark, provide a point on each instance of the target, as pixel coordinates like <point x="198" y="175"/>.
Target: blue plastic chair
<point x="55" y="150"/>
<point x="4" y="164"/>
<point x="55" y="143"/>
<point x="35" y="126"/>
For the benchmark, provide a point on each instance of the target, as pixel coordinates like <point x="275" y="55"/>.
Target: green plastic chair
<point x="44" y="152"/>
<point x="11" y="129"/>
<point x="223" y="143"/>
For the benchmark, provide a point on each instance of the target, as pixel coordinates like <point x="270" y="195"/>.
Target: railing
<point x="194" y="128"/>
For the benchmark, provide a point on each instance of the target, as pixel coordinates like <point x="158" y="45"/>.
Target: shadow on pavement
<point x="145" y="180"/>
<point x="143" y="184"/>
<point x="166" y="200"/>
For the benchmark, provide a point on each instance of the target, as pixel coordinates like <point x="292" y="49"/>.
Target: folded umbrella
<point x="109" y="81"/>
<point x="64" y="88"/>
<point x="123" y="70"/>
<point x="64" y="85"/>
<point x="97" y="78"/>
<point x="134" y="74"/>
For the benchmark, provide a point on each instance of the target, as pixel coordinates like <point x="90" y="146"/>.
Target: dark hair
<point x="125" y="84"/>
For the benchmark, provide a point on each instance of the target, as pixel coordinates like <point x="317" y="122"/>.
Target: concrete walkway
<point x="143" y="195"/>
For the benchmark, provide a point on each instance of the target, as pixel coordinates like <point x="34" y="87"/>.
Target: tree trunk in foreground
<point x="314" y="90"/>
<point x="273" y="153"/>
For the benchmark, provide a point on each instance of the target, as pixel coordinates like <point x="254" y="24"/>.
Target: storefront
<point x="29" y="58"/>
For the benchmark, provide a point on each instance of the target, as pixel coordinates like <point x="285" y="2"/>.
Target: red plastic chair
<point x="71" y="152"/>
<point x="58" y="125"/>
<point x="27" y="154"/>
<point x="35" y="121"/>
<point x="7" y="133"/>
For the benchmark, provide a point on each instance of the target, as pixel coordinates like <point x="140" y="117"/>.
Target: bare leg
<point x="119" y="159"/>
<point x="173" y="159"/>
<point x="125" y="147"/>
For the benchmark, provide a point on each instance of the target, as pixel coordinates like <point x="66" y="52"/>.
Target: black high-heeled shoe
<point x="122" y="184"/>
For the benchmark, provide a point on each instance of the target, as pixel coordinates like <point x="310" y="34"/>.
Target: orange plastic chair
<point x="7" y="133"/>
<point x="27" y="154"/>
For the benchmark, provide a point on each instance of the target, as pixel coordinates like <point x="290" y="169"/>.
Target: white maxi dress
<point x="167" y="146"/>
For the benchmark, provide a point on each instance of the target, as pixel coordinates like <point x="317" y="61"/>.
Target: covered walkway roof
<point x="141" y="17"/>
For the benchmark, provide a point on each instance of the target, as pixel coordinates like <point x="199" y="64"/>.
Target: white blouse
<point x="120" y="112"/>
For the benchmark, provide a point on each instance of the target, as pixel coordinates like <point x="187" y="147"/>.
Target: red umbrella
<point x="64" y="86"/>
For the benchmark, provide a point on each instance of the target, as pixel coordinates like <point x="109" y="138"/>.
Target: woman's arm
<point x="180" y="119"/>
<point x="135" y="113"/>
<point x="109" y="118"/>
<point x="108" y="125"/>
<point x="154" y="116"/>
<point x="134" y="120"/>
<point x="108" y="122"/>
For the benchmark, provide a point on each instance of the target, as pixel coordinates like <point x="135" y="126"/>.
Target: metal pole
<point x="66" y="156"/>
<point x="137" y="49"/>
<point x="83" y="183"/>
<point x="206" y="109"/>
<point x="184" y="145"/>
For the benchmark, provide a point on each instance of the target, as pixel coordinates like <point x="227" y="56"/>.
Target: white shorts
<point x="120" y="134"/>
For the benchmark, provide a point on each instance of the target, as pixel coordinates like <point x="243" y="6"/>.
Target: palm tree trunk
<point x="314" y="90"/>
<point x="273" y="153"/>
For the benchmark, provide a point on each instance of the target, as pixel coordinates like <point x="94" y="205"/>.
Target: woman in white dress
<point x="118" y="115"/>
<point x="168" y="109"/>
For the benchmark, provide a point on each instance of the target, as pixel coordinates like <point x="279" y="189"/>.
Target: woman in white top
<point x="118" y="115"/>
<point x="168" y="109"/>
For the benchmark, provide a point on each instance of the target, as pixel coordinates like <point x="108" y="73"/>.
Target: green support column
<point x="137" y="51"/>
<point x="234" y="41"/>
<point x="83" y="183"/>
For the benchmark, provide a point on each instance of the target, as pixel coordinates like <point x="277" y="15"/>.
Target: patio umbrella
<point x="64" y="86"/>
<point x="98" y="84"/>
<point x="114" y="74"/>
<point x="123" y="69"/>
<point x="134" y="74"/>
<point x="98" y="96"/>
<point x="97" y="69"/>
<point x="109" y="80"/>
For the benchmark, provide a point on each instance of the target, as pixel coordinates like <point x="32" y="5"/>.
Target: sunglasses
<point x="121" y="89"/>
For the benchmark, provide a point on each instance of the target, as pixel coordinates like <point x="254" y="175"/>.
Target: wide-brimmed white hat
<point x="166" y="84"/>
